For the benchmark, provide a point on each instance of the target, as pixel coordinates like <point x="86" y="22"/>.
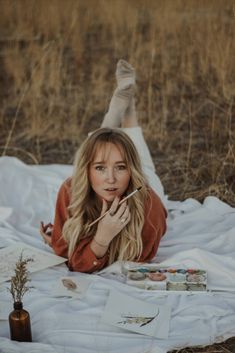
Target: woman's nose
<point x="110" y="176"/>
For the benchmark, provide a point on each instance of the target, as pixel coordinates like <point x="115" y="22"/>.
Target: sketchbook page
<point x="41" y="259"/>
<point x="136" y="315"/>
<point x="71" y="287"/>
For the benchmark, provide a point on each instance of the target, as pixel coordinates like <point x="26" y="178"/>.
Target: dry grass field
<point x="57" y="60"/>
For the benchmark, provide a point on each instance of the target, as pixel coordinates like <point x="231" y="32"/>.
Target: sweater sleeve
<point x="82" y="259"/>
<point x="59" y="245"/>
<point x="154" y="227"/>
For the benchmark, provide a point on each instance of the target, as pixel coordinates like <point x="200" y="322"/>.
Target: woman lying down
<point x="107" y="210"/>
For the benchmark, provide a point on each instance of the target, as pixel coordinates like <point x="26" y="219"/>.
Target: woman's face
<point x="108" y="173"/>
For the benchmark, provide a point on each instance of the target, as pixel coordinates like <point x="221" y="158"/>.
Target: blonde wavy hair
<point x="85" y="207"/>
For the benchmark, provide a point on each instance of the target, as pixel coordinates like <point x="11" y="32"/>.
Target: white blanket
<point x="199" y="235"/>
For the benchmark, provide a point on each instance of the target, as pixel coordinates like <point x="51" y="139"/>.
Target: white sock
<point x="125" y="74"/>
<point x="122" y="96"/>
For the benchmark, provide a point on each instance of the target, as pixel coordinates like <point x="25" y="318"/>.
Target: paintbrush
<point x="123" y="200"/>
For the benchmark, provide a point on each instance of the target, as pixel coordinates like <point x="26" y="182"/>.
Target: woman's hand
<point x="46" y="231"/>
<point x="113" y="222"/>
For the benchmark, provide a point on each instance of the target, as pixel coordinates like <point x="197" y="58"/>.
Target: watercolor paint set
<point x="152" y="277"/>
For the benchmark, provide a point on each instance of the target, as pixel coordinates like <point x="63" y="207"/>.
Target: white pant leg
<point x="136" y="135"/>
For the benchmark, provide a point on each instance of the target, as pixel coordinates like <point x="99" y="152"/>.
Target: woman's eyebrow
<point x="103" y="162"/>
<point x="99" y="162"/>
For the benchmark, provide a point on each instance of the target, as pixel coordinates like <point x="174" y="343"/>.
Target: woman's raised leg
<point x="122" y="113"/>
<point x="120" y="101"/>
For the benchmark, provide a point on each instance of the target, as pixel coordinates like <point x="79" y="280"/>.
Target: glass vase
<point x="19" y="322"/>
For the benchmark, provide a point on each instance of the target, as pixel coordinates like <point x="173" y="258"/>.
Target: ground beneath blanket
<point x="226" y="347"/>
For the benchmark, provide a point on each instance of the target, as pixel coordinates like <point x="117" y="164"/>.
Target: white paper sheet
<point x="61" y="290"/>
<point x="40" y="259"/>
<point x="136" y="315"/>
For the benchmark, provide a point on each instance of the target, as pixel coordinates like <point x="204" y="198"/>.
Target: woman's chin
<point x="109" y="196"/>
<point x="109" y="199"/>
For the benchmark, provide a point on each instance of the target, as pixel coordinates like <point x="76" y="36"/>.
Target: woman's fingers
<point x="45" y="231"/>
<point x="110" y="226"/>
<point x="47" y="228"/>
<point x="126" y="213"/>
<point x="104" y="206"/>
<point x="114" y="206"/>
<point x="46" y="237"/>
<point x="125" y="218"/>
<point x="122" y="213"/>
<point x="122" y="209"/>
<point x="122" y="216"/>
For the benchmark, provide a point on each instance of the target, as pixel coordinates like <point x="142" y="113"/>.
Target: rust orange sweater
<point x="83" y="259"/>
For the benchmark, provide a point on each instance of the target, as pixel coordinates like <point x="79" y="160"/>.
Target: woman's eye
<point x="121" y="167"/>
<point x="99" y="167"/>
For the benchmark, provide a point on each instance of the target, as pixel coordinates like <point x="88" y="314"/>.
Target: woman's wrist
<point x="98" y="242"/>
<point x="98" y="247"/>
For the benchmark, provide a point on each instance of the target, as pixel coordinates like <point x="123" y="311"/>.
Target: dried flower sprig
<point x="19" y="281"/>
<point x="139" y="320"/>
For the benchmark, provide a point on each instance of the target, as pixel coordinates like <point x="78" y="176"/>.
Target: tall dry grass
<point x="58" y="60"/>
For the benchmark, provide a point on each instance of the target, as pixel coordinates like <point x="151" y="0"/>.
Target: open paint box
<point x="152" y="277"/>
